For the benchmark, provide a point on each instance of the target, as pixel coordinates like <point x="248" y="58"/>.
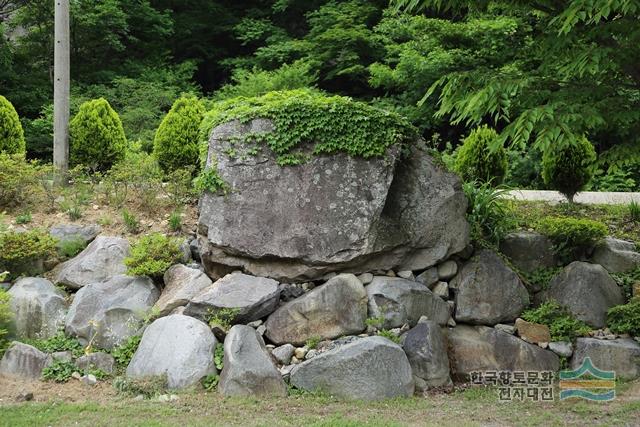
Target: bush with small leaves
<point x="152" y="255"/>
<point x="480" y="158"/>
<point x="97" y="139"/>
<point x="59" y="371"/>
<point x="176" y="142"/>
<point x="125" y="351"/>
<point x="569" y="234"/>
<point x="19" y="180"/>
<point x="562" y="325"/>
<point x="6" y="319"/>
<point x="625" y="319"/>
<point x="568" y="168"/>
<point x="20" y="253"/>
<point x="11" y="133"/>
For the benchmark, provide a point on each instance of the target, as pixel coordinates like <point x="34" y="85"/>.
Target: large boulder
<point x="480" y="348"/>
<point x="38" y="307"/>
<point x="109" y="312"/>
<point x="488" y="292"/>
<point x="617" y="256"/>
<point x="101" y="260"/>
<point x="339" y="307"/>
<point x="401" y="301"/>
<point x="251" y="298"/>
<point x="370" y="368"/>
<point x="22" y="360"/>
<point x="331" y="213"/>
<point x="529" y="251"/>
<point x="248" y="367"/>
<point x="426" y="349"/>
<point x="181" y="285"/>
<point x="180" y="347"/>
<point x="621" y="355"/>
<point x="587" y="290"/>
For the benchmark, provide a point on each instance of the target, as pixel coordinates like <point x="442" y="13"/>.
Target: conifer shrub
<point x="625" y="319"/>
<point x="570" y="167"/>
<point x="176" y="141"/>
<point x="567" y="233"/>
<point x="11" y="134"/>
<point x="97" y="139"/>
<point x="480" y="159"/>
<point x="24" y="253"/>
<point x="152" y="255"/>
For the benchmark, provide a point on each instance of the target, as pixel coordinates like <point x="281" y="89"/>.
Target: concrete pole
<point x="61" y="87"/>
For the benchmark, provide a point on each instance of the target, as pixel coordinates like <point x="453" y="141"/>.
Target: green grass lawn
<point x="472" y="407"/>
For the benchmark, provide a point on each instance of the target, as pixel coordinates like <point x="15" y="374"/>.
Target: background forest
<point x="542" y="73"/>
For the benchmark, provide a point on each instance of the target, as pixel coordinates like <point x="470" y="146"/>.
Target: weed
<point x="71" y="247"/>
<point x="210" y="382"/>
<point x="131" y="223"/>
<point x="59" y="371"/>
<point x="218" y="356"/>
<point x="223" y="317"/>
<point x="24" y="218"/>
<point x="562" y="325"/>
<point x="389" y="335"/>
<point x="58" y="342"/>
<point x="175" y="221"/>
<point x="125" y="351"/>
<point x="488" y="213"/>
<point x="634" y="211"/>
<point x="312" y="342"/>
<point x="148" y="387"/>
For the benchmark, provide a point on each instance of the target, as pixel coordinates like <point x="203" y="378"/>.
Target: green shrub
<point x="175" y="221"/>
<point x="332" y="123"/>
<point x="130" y="221"/>
<point x="71" y="247"/>
<point x="6" y="321"/>
<point x="488" y="212"/>
<point x="125" y="351"/>
<point x="20" y="253"/>
<point x="634" y="211"/>
<point x="137" y="177"/>
<point x="58" y="342"/>
<point x="210" y="180"/>
<point x="625" y="319"/>
<point x="152" y="255"/>
<point x="24" y="218"/>
<point x="11" y="133"/>
<point x="59" y="371"/>
<point x="572" y="233"/>
<point x="627" y="280"/>
<point x="97" y="139"/>
<point x="210" y="382"/>
<point x="562" y="325"/>
<point x="480" y="158"/>
<point x="569" y="168"/>
<point x="222" y="317"/>
<point x="176" y="142"/>
<point x="19" y="180"/>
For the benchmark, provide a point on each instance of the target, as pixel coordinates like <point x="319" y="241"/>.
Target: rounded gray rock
<point x="109" y="312"/>
<point x="401" y="301"/>
<point x="488" y="292"/>
<point x="180" y="347"/>
<point x="371" y="368"/>
<point x="181" y="285"/>
<point x="248" y="367"/>
<point x="39" y="308"/>
<point x="101" y="260"/>
<point x="339" y="307"/>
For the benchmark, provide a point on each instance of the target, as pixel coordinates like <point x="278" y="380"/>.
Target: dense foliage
<point x="568" y="167"/>
<point x="625" y="319"/>
<point x="18" y="250"/>
<point x="176" y="142"/>
<point x="6" y="318"/>
<point x="152" y="255"/>
<point x="11" y="133"/>
<point x="572" y="232"/>
<point x="479" y="159"/>
<point x="97" y="139"/>
<point x="542" y="74"/>
<point x="562" y="325"/>
<point x="334" y="123"/>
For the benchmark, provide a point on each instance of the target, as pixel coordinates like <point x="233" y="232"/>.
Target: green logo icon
<point x="588" y="382"/>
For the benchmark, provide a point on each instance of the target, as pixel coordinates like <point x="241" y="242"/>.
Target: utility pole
<point x="61" y="87"/>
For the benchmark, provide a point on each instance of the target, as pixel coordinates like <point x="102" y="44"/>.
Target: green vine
<point x="334" y="123"/>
